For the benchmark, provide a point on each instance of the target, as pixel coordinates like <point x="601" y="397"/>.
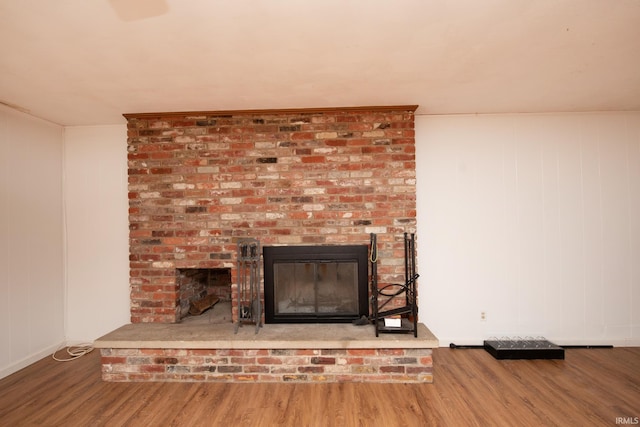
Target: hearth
<point x="309" y="284"/>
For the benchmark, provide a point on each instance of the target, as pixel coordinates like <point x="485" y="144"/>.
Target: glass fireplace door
<point x="316" y="287"/>
<point x="310" y="284"/>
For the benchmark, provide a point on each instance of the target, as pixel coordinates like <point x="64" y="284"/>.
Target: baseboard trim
<point x="28" y="360"/>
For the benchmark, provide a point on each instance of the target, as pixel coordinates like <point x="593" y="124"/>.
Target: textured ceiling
<point x="79" y="62"/>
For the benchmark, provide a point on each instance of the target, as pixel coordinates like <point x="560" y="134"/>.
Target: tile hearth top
<point x="271" y="336"/>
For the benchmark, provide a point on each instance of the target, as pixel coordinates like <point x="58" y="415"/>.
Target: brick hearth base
<point x="278" y="353"/>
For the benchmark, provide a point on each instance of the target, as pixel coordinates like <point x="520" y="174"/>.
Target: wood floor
<point x="591" y="387"/>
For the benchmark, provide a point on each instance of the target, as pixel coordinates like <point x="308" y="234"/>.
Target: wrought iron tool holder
<point x="249" y="301"/>
<point x="395" y="300"/>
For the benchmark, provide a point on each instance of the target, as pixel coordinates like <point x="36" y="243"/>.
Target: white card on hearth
<point x="390" y="322"/>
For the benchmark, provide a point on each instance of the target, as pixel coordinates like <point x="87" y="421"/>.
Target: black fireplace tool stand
<point x="249" y="302"/>
<point x="403" y="317"/>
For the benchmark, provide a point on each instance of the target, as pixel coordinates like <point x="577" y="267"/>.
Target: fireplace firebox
<point x="315" y="284"/>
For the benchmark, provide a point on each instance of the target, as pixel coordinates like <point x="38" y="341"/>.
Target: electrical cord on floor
<point x="74" y="352"/>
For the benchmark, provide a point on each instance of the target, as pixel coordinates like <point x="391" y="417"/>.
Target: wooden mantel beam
<point x="275" y="111"/>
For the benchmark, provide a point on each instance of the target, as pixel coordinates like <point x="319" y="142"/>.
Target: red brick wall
<point x="269" y="365"/>
<point x="199" y="181"/>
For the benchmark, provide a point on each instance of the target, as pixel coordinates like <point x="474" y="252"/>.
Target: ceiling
<point x="79" y="62"/>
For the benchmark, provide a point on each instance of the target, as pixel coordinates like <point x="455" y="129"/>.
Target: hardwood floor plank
<point x="471" y="388"/>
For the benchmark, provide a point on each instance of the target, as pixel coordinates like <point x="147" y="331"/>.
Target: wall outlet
<point x="483" y="316"/>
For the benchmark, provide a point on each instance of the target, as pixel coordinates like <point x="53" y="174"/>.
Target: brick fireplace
<point x="200" y="181"/>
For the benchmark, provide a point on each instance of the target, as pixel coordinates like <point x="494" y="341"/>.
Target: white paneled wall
<point x="534" y="220"/>
<point x="96" y="207"/>
<point x="31" y="240"/>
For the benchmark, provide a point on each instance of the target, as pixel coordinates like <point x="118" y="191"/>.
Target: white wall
<point x="31" y="240"/>
<point x="533" y="219"/>
<point x="96" y="207"/>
